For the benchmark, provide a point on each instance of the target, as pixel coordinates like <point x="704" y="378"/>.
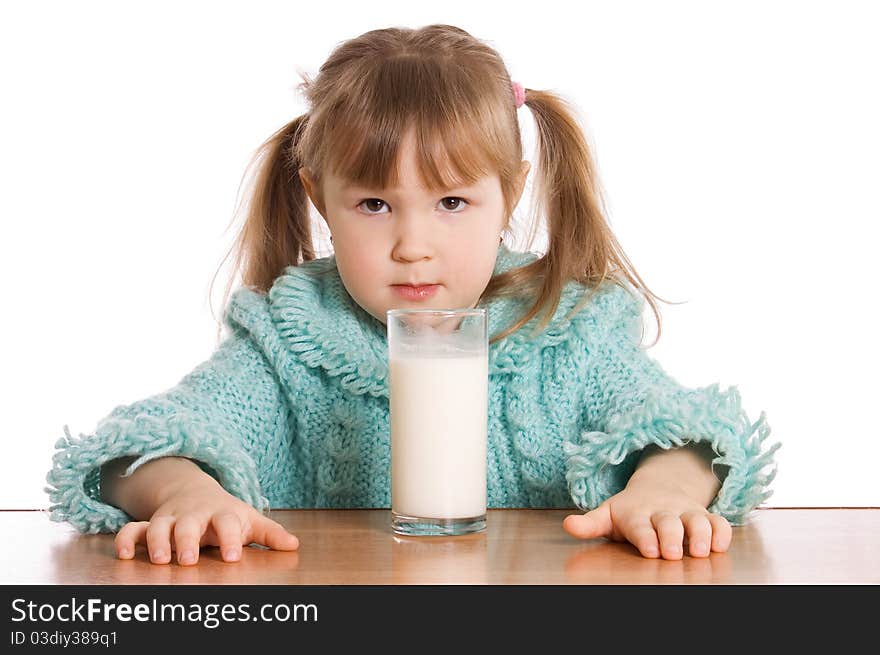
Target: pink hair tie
<point x="519" y="93"/>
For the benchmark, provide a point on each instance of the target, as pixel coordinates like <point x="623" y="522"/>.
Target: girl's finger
<point x="643" y="536"/>
<point x="159" y="539"/>
<point x="128" y="537"/>
<point x="188" y="531"/>
<point x="595" y="523"/>
<point x="227" y="527"/>
<point x="269" y="533"/>
<point x="722" y="533"/>
<point x="670" y="532"/>
<point x="699" y="532"/>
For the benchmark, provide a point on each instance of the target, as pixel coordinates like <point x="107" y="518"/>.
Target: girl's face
<point x="409" y="235"/>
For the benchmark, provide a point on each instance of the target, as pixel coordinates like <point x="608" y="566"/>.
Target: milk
<point x="439" y="408"/>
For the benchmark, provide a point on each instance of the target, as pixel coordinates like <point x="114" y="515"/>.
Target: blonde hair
<point x="457" y="95"/>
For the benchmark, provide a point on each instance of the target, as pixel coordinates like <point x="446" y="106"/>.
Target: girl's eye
<point x="458" y="202"/>
<point x="376" y="203"/>
<point x="372" y="203"/>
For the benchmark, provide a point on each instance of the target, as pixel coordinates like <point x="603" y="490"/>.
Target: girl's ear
<point x="309" y="185"/>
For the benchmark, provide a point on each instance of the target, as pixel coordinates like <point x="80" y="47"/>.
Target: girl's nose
<point x="412" y="238"/>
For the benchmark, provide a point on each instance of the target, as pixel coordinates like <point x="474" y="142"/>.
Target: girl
<point x="411" y="153"/>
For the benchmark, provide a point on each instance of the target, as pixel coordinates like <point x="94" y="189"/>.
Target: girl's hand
<point x="650" y="512"/>
<point x="201" y="513"/>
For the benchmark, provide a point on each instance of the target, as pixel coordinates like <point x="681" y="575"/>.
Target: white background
<point x="737" y="145"/>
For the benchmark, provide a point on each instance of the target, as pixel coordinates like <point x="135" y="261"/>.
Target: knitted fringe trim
<point x="148" y="437"/>
<point x="703" y="414"/>
<point x="590" y="323"/>
<point x="293" y="298"/>
<point x="293" y="304"/>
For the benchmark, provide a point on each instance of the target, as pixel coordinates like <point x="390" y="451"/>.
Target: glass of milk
<point x="438" y="362"/>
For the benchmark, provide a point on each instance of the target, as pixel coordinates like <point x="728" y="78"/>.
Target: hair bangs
<point x="454" y="154"/>
<point x="456" y="136"/>
<point x="448" y="155"/>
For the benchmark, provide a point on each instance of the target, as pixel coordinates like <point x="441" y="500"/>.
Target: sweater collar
<point x="322" y="325"/>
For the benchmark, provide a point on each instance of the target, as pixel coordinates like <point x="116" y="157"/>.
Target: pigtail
<point x="581" y="245"/>
<point x="276" y="232"/>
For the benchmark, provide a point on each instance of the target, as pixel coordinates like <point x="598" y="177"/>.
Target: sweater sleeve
<point x="631" y="402"/>
<point x="221" y="415"/>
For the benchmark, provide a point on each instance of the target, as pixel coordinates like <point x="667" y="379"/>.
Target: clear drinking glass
<point x="438" y="362"/>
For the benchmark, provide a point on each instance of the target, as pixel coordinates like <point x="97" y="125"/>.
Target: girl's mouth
<point x="415" y="293"/>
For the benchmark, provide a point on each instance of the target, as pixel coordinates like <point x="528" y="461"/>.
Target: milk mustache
<point x="438" y="392"/>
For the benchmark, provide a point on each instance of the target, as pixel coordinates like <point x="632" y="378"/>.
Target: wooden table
<point x="529" y="546"/>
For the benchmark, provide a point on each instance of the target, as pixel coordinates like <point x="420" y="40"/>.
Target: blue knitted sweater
<point x="291" y="410"/>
